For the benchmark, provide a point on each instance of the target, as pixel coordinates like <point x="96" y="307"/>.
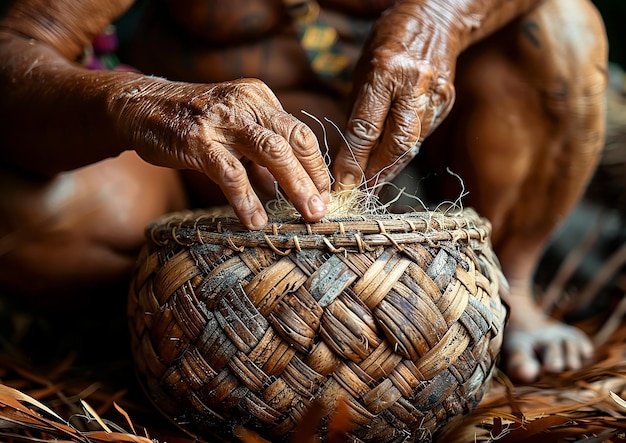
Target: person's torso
<point x="219" y="40"/>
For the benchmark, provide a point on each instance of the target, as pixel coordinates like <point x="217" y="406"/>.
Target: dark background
<point x="612" y="11"/>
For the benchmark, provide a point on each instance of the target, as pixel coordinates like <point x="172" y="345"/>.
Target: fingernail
<point x="317" y="206"/>
<point x="347" y="182"/>
<point x="258" y="220"/>
<point x="348" y="179"/>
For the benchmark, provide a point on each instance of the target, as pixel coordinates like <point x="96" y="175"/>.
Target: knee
<point x="563" y="50"/>
<point x="80" y="230"/>
<point x="541" y="83"/>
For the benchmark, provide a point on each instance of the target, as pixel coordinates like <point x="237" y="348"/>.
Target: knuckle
<point x="269" y="145"/>
<point x="302" y="136"/>
<point x="361" y="132"/>
<point x="225" y="169"/>
<point x="254" y="89"/>
<point x="401" y="144"/>
<point x="443" y="95"/>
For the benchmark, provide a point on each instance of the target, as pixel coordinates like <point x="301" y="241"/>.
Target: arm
<point x="51" y="110"/>
<point x="59" y="116"/>
<point x="403" y="83"/>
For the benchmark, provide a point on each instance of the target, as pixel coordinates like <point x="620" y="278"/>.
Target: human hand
<point x="403" y="90"/>
<point x="218" y="129"/>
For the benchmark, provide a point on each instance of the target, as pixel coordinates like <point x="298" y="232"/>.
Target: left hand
<point x="403" y="86"/>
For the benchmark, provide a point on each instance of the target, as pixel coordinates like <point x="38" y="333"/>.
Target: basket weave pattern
<point x="400" y="316"/>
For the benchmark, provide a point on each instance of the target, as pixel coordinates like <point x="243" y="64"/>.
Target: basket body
<point x="399" y="316"/>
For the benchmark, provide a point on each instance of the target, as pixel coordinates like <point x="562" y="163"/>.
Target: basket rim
<point x="203" y="226"/>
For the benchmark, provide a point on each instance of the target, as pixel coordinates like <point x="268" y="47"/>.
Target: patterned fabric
<point x="321" y="44"/>
<point x="319" y="40"/>
<point x="101" y="55"/>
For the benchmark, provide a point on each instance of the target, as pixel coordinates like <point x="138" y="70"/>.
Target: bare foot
<point x="535" y="343"/>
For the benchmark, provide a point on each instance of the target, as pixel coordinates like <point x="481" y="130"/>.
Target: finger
<point x="306" y="149"/>
<point x="301" y="138"/>
<point x="263" y="138"/>
<point x="362" y="134"/>
<point x="400" y="143"/>
<point x="409" y="122"/>
<point x="274" y="152"/>
<point x="228" y="172"/>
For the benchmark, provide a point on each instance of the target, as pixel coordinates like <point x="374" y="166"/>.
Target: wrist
<point x="424" y="30"/>
<point x="127" y="106"/>
<point x="468" y="21"/>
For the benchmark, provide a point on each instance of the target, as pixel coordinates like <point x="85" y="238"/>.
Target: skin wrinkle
<point x="286" y="163"/>
<point x="398" y="73"/>
<point x="29" y="21"/>
<point x="269" y="146"/>
<point x="267" y="154"/>
<point x="232" y="171"/>
<point x="365" y="130"/>
<point x="309" y="146"/>
<point x="427" y="36"/>
<point x="197" y="109"/>
<point x="423" y="38"/>
<point x="143" y="114"/>
<point x="444" y="15"/>
<point x="309" y="154"/>
<point x="403" y="145"/>
<point x="232" y="178"/>
<point x="503" y="75"/>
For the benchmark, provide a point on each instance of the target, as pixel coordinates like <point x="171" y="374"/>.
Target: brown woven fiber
<point x="398" y="315"/>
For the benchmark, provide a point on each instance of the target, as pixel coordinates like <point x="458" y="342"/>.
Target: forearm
<point x="472" y="20"/>
<point x="53" y="112"/>
<point x="55" y="115"/>
<point x="439" y="30"/>
<point x="67" y="26"/>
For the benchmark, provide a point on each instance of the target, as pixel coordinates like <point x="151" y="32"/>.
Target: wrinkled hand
<point x="403" y="90"/>
<point x="217" y="129"/>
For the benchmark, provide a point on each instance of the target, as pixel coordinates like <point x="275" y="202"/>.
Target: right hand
<point x="216" y="129"/>
<point x="403" y="87"/>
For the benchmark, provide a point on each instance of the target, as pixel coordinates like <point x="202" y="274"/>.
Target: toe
<point x="573" y="355"/>
<point x="521" y="362"/>
<point x="554" y="357"/>
<point x="523" y="367"/>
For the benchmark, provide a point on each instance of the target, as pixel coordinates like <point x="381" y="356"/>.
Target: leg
<point x="527" y="131"/>
<point x="81" y="230"/>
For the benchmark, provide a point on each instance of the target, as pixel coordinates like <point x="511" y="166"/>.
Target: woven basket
<point x="399" y="315"/>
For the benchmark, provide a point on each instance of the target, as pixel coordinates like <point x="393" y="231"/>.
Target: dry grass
<point x="69" y="379"/>
<point x="93" y="396"/>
